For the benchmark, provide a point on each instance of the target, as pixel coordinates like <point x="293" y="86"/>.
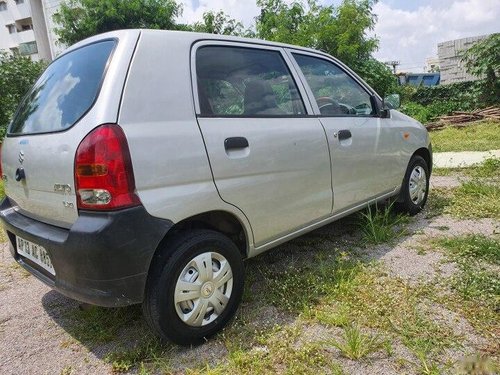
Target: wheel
<point x="194" y="287"/>
<point x="415" y="188"/>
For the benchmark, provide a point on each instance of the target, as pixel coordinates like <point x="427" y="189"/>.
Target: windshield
<point x="64" y="92"/>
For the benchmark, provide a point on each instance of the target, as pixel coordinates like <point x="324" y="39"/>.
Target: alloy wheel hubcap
<point x="418" y="185"/>
<point x="203" y="289"/>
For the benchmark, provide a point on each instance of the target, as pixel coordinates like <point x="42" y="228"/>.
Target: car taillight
<point x="104" y="178"/>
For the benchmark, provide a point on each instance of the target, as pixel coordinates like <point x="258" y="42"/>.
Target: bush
<point x="468" y="94"/>
<point x="17" y="75"/>
<point x="427" y="103"/>
<point x="426" y="113"/>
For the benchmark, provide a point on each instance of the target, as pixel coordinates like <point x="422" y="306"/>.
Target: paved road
<point x="462" y="159"/>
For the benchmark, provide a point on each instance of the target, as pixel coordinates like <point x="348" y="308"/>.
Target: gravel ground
<point x="37" y="334"/>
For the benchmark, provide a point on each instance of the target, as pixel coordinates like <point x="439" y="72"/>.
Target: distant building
<point x="26" y="27"/>
<point x="451" y="67"/>
<point x="432" y="65"/>
<point x="419" y="79"/>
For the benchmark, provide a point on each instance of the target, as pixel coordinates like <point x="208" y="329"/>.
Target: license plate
<point x="35" y="253"/>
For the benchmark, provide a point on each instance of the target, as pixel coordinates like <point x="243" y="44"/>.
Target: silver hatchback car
<point x="145" y="166"/>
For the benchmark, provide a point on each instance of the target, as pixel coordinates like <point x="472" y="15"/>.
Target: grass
<point x="476" y="287"/>
<point x="472" y="248"/>
<point x="490" y="168"/>
<point x="356" y="345"/>
<point x="148" y="354"/>
<point x="481" y="136"/>
<point x="99" y="325"/>
<point x="473" y="254"/>
<point x="380" y="225"/>
<point x="475" y="199"/>
<point x="437" y="203"/>
<point x="372" y="299"/>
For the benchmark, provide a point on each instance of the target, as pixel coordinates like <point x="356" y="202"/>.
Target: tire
<point x="179" y="274"/>
<point x="412" y="197"/>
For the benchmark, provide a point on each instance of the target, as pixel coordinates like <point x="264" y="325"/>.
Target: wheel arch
<point x="218" y="220"/>
<point x="426" y="155"/>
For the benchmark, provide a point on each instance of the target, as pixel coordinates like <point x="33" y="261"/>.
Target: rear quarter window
<point x="64" y="92"/>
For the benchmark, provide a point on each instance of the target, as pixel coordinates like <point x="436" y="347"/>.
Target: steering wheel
<point x="329" y="106"/>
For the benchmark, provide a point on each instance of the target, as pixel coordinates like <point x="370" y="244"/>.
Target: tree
<point x="218" y="23"/>
<point x="340" y="31"/>
<point x="483" y="60"/>
<point x="80" y="19"/>
<point x="378" y="76"/>
<point x="17" y="75"/>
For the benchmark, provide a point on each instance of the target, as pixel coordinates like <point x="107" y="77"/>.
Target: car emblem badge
<point x="21" y="157"/>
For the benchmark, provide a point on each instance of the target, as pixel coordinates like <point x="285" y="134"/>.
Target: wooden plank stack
<point x="460" y="119"/>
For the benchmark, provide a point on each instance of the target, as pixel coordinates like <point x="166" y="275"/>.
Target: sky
<point x="409" y="31"/>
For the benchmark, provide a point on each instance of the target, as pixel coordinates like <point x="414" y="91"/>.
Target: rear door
<point x="268" y="157"/>
<point x="363" y="152"/>
<point x="38" y="152"/>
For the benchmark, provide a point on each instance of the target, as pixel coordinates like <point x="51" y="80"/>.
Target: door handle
<point x="344" y="134"/>
<point x="235" y="143"/>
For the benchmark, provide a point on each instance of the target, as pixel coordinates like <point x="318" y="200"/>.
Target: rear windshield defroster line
<point x="64" y="92"/>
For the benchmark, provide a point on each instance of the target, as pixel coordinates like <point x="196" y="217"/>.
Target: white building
<point x="26" y="27"/>
<point x="450" y="59"/>
<point x="432" y="65"/>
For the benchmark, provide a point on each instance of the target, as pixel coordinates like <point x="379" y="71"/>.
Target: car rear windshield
<point x="64" y="92"/>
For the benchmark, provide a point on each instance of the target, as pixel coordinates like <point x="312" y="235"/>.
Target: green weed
<point x="475" y="199"/>
<point x="472" y="247"/>
<point x="481" y="136"/>
<point x="490" y="168"/>
<point x="149" y="353"/>
<point x="381" y="225"/>
<point x="439" y="200"/>
<point x="356" y="345"/>
<point x="476" y="285"/>
<point x="279" y="351"/>
<point x="100" y="325"/>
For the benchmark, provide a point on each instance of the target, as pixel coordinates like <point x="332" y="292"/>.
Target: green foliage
<point x="378" y="76"/>
<point x="98" y="325"/>
<point x="476" y="199"/>
<point x="381" y="225"/>
<point x="356" y="345"/>
<point x="426" y="103"/>
<point x="472" y="247"/>
<point x="476" y="280"/>
<point x="490" y="168"/>
<point x="80" y="19"/>
<point x="481" y="136"/>
<point x="17" y="75"/>
<point x="483" y="60"/>
<point x="429" y="112"/>
<point x="218" y="23"/>
<point x="340" y="31"/>
<point x="465" y="94"/>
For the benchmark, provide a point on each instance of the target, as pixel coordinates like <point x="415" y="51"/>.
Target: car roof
<point x="191" y="37"/>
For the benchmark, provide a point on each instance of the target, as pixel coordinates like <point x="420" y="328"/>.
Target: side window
<point x="336" y="93"/>
<point x="235" y="81"/>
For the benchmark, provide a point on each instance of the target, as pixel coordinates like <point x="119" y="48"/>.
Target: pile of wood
<point x="462" y="119"/>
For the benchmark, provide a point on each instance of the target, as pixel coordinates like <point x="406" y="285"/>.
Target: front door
<point x="363" y="154"/>
<point x="268" y="158"/>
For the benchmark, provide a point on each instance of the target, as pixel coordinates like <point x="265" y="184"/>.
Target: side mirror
<point x="392" y="101"/>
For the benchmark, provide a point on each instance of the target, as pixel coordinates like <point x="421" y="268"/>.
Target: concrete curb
<point x="462" y="159"/>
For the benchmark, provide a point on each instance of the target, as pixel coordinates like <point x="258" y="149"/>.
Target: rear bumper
<point x="103" y="259"/>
